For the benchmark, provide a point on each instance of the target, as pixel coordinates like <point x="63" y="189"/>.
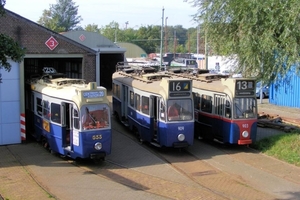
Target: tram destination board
<point x="93" y="94"/>
<point x="180" y="88"/>
<point x="245" y="87"/>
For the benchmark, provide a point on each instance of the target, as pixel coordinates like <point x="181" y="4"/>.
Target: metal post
<point x="206" y="51"/>
<point x="161" y="37"/>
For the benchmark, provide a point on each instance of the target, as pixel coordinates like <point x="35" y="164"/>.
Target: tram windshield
<point x="180" y="110"/>
<point x="244" y="108"/>
<point x="95" y="116"/>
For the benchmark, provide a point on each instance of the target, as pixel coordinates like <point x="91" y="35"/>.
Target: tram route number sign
<point x="245" y="87"/>
<point x="179" y="88"/>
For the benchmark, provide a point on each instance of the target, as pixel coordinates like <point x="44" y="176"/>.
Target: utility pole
<point x="206" y="51"/>
<point x="166" y="35"/>
<point x="189" y="47"/>
<point x="161" y="37"/>
<point x="198" y="39"/>
<point x="175" y="43"/>
<point x="116" y="27"/>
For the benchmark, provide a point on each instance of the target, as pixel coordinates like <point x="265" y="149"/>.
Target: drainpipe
<point x="98" y="67"/>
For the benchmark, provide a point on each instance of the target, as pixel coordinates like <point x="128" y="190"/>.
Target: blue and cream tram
<point x="155" y="106"/>
<point x="71" y="118"/>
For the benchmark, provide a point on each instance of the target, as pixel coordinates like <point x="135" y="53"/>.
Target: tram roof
<point x="212" y="82"/>
<point x="150" y="82"/>
<point x="63" y="88"/>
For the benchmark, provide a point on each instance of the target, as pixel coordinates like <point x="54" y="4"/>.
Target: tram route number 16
<point x="176" y="86"/>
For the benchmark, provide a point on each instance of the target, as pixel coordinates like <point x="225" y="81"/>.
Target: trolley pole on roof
<point x="161" y="37"/>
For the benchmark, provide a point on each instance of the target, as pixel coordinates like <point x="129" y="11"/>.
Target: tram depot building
<point x="77" y="54"/>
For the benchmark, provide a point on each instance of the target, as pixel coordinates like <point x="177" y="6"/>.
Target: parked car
<point x="238" y="75"/>
<point x="264" y="88"/>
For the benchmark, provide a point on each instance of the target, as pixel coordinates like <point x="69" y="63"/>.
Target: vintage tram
<point x="155" y="106"/>
<point x="70" y="117"/>
<point x="225" y="107"/>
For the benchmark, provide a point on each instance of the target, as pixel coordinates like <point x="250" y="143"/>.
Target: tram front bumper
<point x="180" y="144"/>
<point x="96" y="156"/>
<point x="243" y="142"/>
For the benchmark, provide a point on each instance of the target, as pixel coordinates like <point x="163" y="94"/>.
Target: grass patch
<point x="285" y="147"/>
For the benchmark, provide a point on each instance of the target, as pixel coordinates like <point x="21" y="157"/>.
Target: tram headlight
<point x="98" y="146"/>
<point x="245" y="134"/>
<point x="181" y="137"/>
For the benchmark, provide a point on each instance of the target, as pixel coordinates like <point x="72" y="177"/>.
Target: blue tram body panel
<point x="169" y="132"/>
<point x="86" y="144"/>
<point x="116" y="105"/>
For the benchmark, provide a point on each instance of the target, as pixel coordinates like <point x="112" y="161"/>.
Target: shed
<point x="286" y="90"/>
<point x="90" y="56"/>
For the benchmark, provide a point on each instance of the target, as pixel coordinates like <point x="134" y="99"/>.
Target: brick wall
<point x="32" y="36"/>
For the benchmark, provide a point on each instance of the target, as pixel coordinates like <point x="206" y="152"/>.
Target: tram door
<point x="219" y="111"/>
<point x="154" y="115"/>
<point x="67" y="122"/>
<point x="124" y="99"/>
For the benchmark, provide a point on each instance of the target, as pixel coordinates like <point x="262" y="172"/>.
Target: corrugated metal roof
<point x="94" y="41"/>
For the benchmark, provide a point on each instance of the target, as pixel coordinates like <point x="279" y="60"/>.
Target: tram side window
<point x="145" y="105"/>
<point x="76" y="119"/>
<point x="137" y="102"/>
<point x="196" y="97"/>
<point x="131" y="99"/>
<point x="55" y="113"/>
<point x="227" y="109"/>
<point x="206" y="103"/>
<point x="39" y="107"/>
<point x="162" y="110"/>
<point x="46" y="111"/>
<point x="116" y="90"/>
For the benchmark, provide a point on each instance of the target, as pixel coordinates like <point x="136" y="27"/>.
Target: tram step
<point x="125" y="123"/>
<point x="155" y="144"/>
<point x="68" y="148"/>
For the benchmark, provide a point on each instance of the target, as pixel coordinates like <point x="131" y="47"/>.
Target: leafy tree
<point x="112" y="31"/>
<point x="263" y="35"/>
<point x="61" y="17"/>
<point x="8" y="47"/>
<point x="148" y="38"/>
<point x="92" y="28"/>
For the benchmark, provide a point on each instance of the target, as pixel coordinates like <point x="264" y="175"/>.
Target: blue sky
<point x="102" y="12"/>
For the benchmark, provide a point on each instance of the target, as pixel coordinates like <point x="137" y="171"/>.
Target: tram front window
<point x="244" y="108"/>
<point x="180" y="110"/>
<point x="94" y="117"/>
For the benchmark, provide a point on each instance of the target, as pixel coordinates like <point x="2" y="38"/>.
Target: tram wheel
<point x="117" y="117"/>
<point x="138" y="136"/>
<point x="45" y="144"/>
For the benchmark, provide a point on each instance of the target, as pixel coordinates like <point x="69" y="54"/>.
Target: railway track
<point x="191" y="173"/>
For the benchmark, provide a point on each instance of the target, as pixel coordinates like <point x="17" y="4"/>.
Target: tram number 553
<point x="97" y="137"/>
